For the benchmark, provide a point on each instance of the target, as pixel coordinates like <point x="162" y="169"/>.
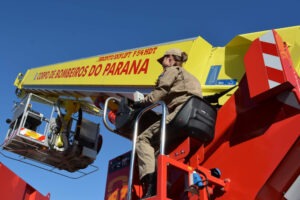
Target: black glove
<point x="137" y="105"/>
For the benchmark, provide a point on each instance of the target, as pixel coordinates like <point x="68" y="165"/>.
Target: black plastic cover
<point x="196" y="119"/>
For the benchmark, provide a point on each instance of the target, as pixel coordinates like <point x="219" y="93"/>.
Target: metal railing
<point x="107" y="125"/>
<point x="135" y="134"/>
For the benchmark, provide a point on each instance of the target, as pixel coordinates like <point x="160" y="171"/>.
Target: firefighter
<point x="174" y="86"/>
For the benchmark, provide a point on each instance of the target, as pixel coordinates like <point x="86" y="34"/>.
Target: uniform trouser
<point x="145" y="151"/>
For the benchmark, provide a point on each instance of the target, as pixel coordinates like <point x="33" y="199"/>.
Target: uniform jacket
<point x="174" y="86"/>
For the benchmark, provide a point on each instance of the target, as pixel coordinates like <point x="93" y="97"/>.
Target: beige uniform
<point x="174" y="86"/>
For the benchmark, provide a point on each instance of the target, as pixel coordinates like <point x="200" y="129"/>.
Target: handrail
<point x="162" y="145"/>
<point x="105" y="113"/>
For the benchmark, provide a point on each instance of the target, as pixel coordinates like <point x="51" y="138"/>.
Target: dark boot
<point x="149" y="181"/>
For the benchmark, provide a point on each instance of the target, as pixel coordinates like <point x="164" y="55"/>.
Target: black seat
<point x="196" y="119"/>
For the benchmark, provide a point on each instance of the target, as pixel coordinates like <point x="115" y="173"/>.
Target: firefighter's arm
<point x="162" y="88"/>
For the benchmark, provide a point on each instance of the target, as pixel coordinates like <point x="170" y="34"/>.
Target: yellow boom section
<point x="122" y="73"/>
<point x="137" y="67"/>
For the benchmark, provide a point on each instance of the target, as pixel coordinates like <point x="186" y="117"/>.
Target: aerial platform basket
<point x="31" y="136"/>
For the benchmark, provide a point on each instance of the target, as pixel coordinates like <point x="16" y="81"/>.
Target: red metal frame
<point x="252" y="142"/>
<point x="13" y="187"/>
<point x="190" y="150"/>
<point x="164" y="162"/>
<point x="182" y="162"/>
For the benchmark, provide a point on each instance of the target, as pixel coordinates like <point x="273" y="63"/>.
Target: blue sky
<point x="34" y="33"/>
